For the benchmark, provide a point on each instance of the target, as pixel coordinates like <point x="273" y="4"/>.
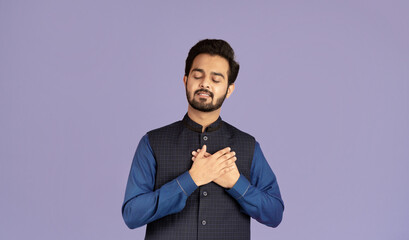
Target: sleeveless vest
<point x="210" y="212"/>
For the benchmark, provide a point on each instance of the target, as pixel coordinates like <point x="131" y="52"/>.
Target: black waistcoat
<point x="210" y="212"/>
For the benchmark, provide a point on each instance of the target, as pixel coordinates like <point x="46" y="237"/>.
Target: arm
<point x="260" y="199"/>
<point x="142" y="204"/>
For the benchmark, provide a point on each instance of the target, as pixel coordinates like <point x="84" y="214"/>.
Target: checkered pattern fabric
<point x="210" y="212"/>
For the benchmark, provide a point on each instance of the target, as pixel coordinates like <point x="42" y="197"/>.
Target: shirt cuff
<point x="240" y="188"/>
<point x="186" y="183"/>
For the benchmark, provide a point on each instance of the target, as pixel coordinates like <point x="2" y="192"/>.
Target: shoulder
<point x="235" y="132"/>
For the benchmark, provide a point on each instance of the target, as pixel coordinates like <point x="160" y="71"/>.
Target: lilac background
<point x="324" y="88"/>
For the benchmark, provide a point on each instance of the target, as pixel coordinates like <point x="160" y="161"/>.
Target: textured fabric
<point x="216" y="215"/>
<point x="210" y="212"/>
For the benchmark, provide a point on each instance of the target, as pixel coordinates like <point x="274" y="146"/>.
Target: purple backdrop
<point x="324" y="88"/>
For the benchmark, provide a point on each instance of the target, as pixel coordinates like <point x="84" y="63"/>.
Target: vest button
<point x="203" y="222"/>
<point x="205" y="193"/>
<point x="205" y="138"/>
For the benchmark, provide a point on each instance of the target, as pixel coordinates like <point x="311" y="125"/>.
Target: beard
<point x="202" y="105"/>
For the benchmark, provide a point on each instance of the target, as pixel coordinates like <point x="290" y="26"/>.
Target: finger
<point x="202" y="152"/>
<point x="206" y="153"/>
<point x="194" y="153"/>
<point x="227" y="169"/>
<point x="193" y="159"/>
<point x="222" y="152"/>
<point x="226" y="156"/>
<point x="229" y="162"/>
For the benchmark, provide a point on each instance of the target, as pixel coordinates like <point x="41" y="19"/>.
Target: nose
<point x="205" y="83"/>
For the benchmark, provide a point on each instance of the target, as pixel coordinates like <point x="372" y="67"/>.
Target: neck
<point x="203" y="118"/>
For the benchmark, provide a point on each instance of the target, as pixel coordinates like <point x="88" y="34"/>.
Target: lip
<point x="203" y="94"/>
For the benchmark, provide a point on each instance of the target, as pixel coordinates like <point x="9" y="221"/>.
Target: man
<point x="201" y="178"/>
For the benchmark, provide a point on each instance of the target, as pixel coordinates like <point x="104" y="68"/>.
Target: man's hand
<point x="207" y="169"/>
<point x="226" y="180"/>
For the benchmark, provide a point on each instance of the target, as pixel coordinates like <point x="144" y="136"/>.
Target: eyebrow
<point x="202" y="71"/>
<point x="197" y="70"/>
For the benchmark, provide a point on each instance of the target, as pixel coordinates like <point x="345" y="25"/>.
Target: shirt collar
<point x="192" y="125"/>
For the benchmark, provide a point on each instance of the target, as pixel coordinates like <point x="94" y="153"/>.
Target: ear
<point x="230" y="90"/>
<point x="184" y="80"/>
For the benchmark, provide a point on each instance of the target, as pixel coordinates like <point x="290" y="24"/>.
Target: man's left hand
<point x="228" y="179"/>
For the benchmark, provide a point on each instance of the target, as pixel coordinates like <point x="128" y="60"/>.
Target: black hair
<point x="214" y="47"/>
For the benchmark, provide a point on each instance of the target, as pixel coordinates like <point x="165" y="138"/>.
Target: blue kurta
<point x="161" y="193"/>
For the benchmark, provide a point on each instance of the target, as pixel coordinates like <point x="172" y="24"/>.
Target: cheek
<point x="221" y="91"/>
<point x="191" y="84"/>
<point x="191" y="89"/>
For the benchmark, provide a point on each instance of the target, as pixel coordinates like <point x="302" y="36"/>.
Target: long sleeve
<point x="143" y="204"/>
<point x="260" y="198"/>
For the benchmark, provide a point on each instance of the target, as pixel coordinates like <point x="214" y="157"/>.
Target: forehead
<point x="212" y="63"/>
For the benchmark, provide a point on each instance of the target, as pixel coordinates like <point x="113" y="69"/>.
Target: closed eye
<point x="217" y="77"/>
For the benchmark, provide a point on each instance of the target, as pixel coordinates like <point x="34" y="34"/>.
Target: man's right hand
<point x="207" y="169"/>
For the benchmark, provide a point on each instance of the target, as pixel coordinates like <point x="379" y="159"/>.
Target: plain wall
<point x="323" y="87"/>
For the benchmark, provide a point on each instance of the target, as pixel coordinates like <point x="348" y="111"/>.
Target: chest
<point x="173" y="152"/>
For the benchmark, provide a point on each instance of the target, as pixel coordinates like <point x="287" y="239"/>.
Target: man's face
<point x="207" y="83"/>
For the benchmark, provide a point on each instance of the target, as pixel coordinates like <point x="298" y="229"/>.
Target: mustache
<point x="204" y="91"/>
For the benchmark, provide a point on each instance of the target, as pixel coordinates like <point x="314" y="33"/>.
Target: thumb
<point x="202" y="151"/>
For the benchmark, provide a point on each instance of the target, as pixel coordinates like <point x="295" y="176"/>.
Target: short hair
<point x="214" y="47"/>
